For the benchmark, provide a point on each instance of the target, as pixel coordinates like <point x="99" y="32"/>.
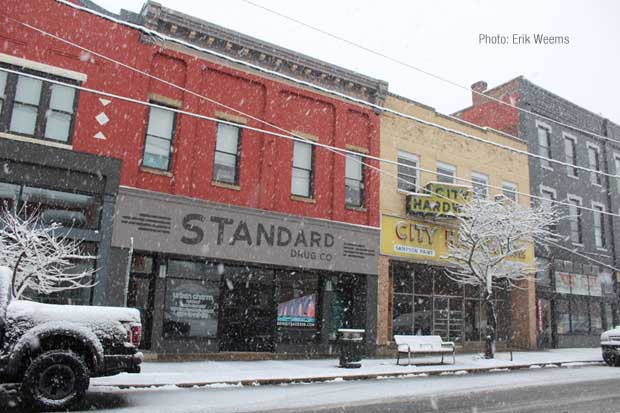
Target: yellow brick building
<point x="415" y="296"/>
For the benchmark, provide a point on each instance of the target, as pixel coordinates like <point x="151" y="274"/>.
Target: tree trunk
<point x="489" y="351"/>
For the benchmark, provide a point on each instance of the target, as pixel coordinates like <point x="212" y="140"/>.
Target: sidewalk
<point x="239" y="373"/>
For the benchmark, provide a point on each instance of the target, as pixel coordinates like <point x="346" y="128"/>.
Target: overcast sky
<point x="442" y="37"/>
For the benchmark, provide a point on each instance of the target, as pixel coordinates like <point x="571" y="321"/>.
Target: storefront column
<point x="371" y="315"/>
<point x="383" y="301"/>
<point x="524" y="315"/>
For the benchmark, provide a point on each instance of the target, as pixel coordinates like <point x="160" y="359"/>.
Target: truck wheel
<point x="609" y="359"/>
<point x="55" y="380"/>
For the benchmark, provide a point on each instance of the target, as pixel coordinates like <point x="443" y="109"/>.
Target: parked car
<point x="610" y="345"/>
<point x="54" y="350"/>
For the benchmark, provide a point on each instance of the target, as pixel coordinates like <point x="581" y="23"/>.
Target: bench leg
<point x="409" y="358"/>
<point x="453" y="357"/>
<point x="397" y="358"/>
<point x="441" y="358"/>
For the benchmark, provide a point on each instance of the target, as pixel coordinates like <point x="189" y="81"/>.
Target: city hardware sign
<point x="415" y="239"/>
<point x="439" y="199"/>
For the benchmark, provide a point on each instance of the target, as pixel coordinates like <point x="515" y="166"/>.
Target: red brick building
<point x="300" y="213"/>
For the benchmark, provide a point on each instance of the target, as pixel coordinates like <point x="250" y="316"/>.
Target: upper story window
<point x="599" y="226"/>
<point x="576" y="225"/>
<point x="227" y="154"/>
<point x="480" y="185"/>
<point x="446" y="173"/>
<point x="158" y="142"/>
<point x="617" y="164"/>
<point x="571" y="155"/>
<point x="548" y="196"/>
<point x="544" y="144"/>
<point x="509" y="190"/>
<point x="354" y="181"/>
<point x="595" y="163"/>
<point x="302" y="176"/>
<point x="37" y="108"/>
<point x="408" y="173"/>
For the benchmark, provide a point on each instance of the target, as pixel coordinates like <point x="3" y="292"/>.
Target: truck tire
<point x="609" y="359"/>
<point x="55" y="380"/>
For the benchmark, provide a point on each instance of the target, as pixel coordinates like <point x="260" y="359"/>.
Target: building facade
<point x="576" y="293"/>
<point x="415" y="295"/>
<point x="226" y="237"/>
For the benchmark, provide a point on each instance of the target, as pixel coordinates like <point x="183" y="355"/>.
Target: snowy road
<point x="590" y="388"/>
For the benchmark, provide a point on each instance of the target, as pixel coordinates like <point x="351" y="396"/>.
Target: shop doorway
<point x="247" y="310"/>
<point x="448" y="320"/>
<point x="141" y="294"/>
<point x="546" y="336"/>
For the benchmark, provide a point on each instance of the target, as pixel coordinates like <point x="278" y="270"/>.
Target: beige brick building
<point x="415" y="296"/>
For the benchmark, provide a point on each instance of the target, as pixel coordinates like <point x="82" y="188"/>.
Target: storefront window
<point x="579" y="316"/>
<point x="71" y="210"/>
<point x="402" y="313"/>
<point x="79" y="296"/>
<point x="595" y="318"/>
<point x="192" y="299"/>
<point x="563" y="311"/>
<point x="297" y="303"/>
<point x="445" y="286"/>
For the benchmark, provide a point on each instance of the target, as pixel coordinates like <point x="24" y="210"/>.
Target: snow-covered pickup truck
<point x="54" y="350"/>
<point x="610" y="344"/>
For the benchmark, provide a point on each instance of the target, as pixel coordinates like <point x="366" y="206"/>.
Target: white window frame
<point x="593" y="175"/>
<point x="543" y="162"/>
<point x="414" y="158"/>
<point x="479" y="175"/>
<point x="512" y="187"/>
<point x="617" y="167"/>
<point x="569" y="198"/>
<point x="446" y="166"/>
<point x="554" y="193"/>
<point x="604" y="239"/>
<point x="571" y="171"/>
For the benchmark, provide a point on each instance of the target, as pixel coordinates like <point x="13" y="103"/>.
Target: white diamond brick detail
<point x="102" y="118"/>
<point x="100" y="135"/>
<point x="104" y="102"/>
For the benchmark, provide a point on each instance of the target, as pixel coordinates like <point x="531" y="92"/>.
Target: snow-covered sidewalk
<point x="214" y="373"/>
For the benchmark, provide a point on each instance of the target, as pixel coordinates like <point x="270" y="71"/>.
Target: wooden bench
<point x="412" y="345"/>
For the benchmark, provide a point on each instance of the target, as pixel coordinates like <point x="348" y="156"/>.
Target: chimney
<point x="477" y="88"/>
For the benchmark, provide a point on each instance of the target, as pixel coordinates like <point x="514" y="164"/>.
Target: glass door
<point x="448" y="318"/>
<point x="247" y="312"/>
<point x="141" y="294"/>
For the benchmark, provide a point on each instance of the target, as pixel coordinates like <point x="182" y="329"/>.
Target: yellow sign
<point x="439" y="199"/>
<point x="414" y="239"/>
<point x="425" y="240"/>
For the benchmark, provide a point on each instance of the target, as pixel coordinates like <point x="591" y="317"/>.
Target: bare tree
<point x="41" y="260"/>
<point x="493" y="237"/>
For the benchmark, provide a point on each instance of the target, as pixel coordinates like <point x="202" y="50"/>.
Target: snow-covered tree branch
<point x="42" y="262"/>
<point x="494" y="237"/>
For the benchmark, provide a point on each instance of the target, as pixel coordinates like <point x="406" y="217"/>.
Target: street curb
<point x="370" y="376"/>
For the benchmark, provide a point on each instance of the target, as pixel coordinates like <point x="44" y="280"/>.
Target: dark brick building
<point x="576" y="295"/>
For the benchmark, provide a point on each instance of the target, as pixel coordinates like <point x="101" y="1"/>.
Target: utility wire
<point x="340" y="151"/>
<point x="166" y="38"/>
<point x="425" y="72"/>
<point x="351" y="154"/>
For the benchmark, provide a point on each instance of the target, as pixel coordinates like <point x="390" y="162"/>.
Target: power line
<point x="259" y="68"/>
<point x="343" y="152"/>
<point x="425" y="72"/>
<point x="293" y="137"/>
